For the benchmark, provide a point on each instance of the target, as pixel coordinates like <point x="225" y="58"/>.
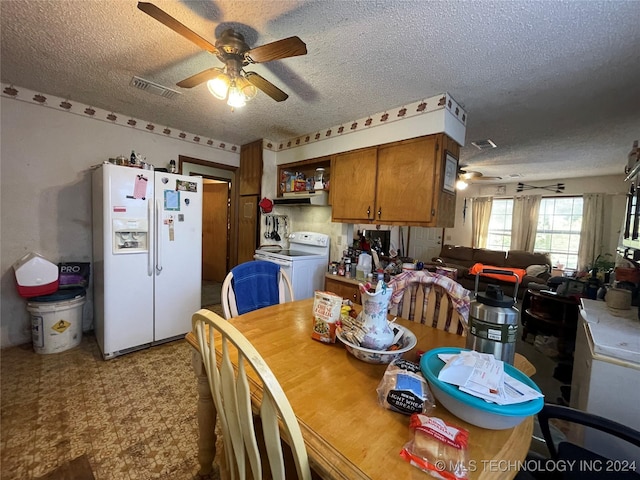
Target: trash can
<point x="56" y="320"/>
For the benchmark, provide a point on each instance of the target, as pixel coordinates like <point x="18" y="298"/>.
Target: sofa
<point x="535" y="268"/>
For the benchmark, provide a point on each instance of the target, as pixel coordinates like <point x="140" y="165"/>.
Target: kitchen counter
<point x="344" y="279"/>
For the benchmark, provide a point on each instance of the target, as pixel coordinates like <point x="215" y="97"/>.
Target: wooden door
<point x="353" y="185"/>
<point x="215" y="222"/>
<point x="247" y="227"/>
<point x="406" y="182"/>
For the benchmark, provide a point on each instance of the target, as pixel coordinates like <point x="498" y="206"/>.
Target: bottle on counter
<point x="347" y="267"/>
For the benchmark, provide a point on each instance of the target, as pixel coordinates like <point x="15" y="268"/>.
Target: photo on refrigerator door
<point x="171" y="200"/>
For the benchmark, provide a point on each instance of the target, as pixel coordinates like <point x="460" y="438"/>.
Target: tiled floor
<point x="134" y="417"/>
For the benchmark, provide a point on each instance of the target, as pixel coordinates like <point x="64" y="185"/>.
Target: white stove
<point x="305" y="262"/>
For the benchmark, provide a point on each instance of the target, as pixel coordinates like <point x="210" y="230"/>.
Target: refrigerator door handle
<point x="158" y="237"/>
<point x="149" y="243"/>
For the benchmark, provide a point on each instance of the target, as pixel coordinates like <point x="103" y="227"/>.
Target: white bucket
<point x="56" y="326"/>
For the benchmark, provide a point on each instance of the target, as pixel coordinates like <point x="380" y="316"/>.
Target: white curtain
<point x="524" y="222"/>
<point x="592" y="232"/>
<point x="480" y="215"/>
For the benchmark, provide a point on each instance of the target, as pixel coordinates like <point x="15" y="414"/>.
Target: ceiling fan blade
<point x="199" y="78"/>
<point x="468" y="175"/>
<point x="266" y="86"/>
<point x="163" y="17"/>
<point x="287" y="47"/>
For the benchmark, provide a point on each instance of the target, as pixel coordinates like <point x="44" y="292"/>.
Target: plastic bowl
<point x="475" y="410"/>
<point x="368" y="355"/>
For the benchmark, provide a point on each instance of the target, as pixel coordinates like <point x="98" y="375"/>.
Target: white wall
<point x="613" y="185"/>
<point x="435" y="119"/>
<point x="46" y="157"/>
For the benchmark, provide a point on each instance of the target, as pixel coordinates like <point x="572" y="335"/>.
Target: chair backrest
<point x="228" y="293"/>
<point x="232" y="388"/>
<point x="569" y="451"/>
<point x="434" y="300"/>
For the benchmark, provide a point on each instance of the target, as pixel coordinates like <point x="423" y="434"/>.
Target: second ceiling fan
<point x="231" y="81"/>
<point x="468" y="175"/>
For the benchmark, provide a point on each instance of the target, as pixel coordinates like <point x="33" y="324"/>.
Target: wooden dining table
<point x="348" y="434"/>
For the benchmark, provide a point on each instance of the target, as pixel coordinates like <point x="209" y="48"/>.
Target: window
<point x="499" y="236"/>
<point x="559" y="225"/>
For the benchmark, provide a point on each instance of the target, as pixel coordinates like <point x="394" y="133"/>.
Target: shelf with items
<point x="552" y="314"/>
<point x="301" y="176"/>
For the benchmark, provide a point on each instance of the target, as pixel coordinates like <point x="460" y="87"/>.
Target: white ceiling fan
<point x="470" y="176"/>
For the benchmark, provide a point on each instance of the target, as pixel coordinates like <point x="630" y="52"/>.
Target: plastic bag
<point x="326" y="312"/>
<point x="437" y="447"/>
<point x="403" y="389"/>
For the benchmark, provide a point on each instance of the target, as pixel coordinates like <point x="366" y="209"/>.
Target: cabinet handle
<point x="368" y="212"/>
<point x="379" y="212"/>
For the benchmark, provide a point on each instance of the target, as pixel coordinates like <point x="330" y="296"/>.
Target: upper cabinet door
<point x="407" y="181"/>
<point x="353" y="185"/>
<point x="250" y="172"/>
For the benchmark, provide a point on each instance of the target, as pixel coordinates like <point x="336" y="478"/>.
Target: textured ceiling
<point x="556" y="85"/>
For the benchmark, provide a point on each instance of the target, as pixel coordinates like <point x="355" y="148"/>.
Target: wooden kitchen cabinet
<point x="250" y="171"/>
<point x="353" y="185"/>
<point x="346" y="288"/>
<point x="398" y="183"/>
<point x="407" y="178"/>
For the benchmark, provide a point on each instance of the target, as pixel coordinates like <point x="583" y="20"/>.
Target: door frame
<point x="227" y="217"/>
<point x="196" y="166"/>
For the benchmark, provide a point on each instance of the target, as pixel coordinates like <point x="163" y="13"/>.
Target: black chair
<point x="568" y="452"/>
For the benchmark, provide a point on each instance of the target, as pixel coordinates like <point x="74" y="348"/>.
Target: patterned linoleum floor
<point x="134" y="417"/>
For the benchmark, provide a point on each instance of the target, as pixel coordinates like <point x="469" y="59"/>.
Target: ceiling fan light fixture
<point x="247" y="89"/>
<point x="236" y="97"/>
<point x="219" y="86"/>
<point x="461" y="185"/>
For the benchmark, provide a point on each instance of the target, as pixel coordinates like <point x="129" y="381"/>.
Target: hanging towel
<point x="458" y="295"/>
<point x="255" y="285"/>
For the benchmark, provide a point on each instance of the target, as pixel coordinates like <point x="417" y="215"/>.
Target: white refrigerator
<point x="147" y="256"/>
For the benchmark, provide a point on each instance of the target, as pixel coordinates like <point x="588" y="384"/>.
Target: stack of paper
<point x="483" y="376"/>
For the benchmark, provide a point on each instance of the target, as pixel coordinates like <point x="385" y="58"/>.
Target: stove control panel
<point x="310" y="238"/>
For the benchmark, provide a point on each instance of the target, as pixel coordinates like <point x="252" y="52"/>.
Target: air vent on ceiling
<point x="483" y="144"/>
<point x="153" y="88"/>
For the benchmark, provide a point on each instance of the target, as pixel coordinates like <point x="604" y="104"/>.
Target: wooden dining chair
<point x="232" y="390"/>
<point x="263" y="284"/>
<point x="429" y="299"/>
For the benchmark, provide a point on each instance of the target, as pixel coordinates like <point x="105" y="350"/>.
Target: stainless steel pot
<point x="494" y="320"/>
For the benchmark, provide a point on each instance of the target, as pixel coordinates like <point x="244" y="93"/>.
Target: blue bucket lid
<point x="60" y="295"/>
